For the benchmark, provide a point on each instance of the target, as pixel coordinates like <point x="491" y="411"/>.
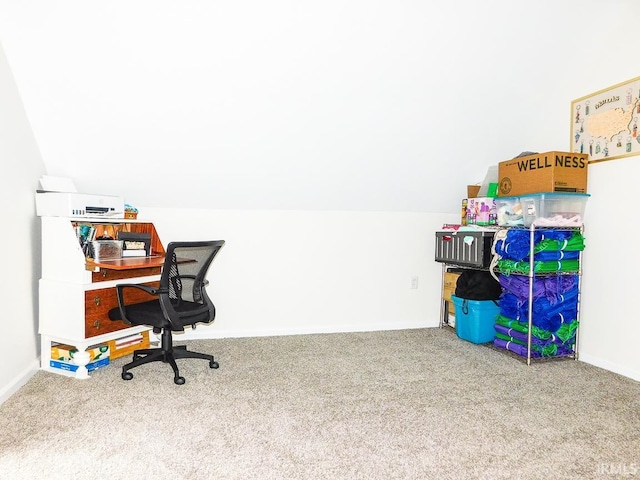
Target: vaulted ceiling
<point x="341" y="104"/>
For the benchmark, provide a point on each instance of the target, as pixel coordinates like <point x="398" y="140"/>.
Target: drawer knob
<point x="104" y="273"/>
<point x="97" y="301"/>
<point x="96" y="324"/>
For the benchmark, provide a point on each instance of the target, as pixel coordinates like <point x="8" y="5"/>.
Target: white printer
<point x="59" y="199"/>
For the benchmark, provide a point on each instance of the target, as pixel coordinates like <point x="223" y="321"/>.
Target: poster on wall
<point x="605" y="124"/>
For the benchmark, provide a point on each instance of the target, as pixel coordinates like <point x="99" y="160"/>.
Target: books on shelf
<point x="134" y="248"/>
<point x="128" y="341"/>
<point x="135" y="241"/>
<point x="86" y="234"/>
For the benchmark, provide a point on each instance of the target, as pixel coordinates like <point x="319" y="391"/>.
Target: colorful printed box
<point x="64" y="353"/>
<point x="480" y="211"/>
<point x="62" y="357"/>
<point x="72" y="367"/>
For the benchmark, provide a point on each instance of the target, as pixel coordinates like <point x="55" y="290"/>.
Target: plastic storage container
<point x="466" y="248"/>
<point x="106" y="249"/>
<point x="475" y="319"/>
<point x="554" y="209"/>
<point x="509" y="212"/>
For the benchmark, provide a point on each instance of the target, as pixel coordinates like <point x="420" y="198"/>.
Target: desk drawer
<point x="471" y="249"/>
<point x="97" y="304"/>
<point x="107" y="274"/>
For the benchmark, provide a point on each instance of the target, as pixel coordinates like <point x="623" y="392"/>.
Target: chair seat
<point x="150" y="313"/>
<point x="145" y="313"/>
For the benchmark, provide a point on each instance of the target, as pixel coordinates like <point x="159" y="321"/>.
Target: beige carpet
<point x="413" y="404"/>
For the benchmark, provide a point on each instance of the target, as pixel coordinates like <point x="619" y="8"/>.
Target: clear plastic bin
<point x="509" y="211"/>
<point x="106" y="249"/>
<point x="554" y="209"/>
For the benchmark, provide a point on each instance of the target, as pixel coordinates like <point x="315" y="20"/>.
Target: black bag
<point x="477" y="285"/>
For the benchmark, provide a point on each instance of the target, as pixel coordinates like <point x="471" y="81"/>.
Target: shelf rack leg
<point x="531" y="279"/>
<point x="443" y="309"/>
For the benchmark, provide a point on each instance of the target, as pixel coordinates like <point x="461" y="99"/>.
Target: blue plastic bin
<point x="475" y="319"/>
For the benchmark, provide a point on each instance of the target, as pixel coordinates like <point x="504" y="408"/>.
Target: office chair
<point x="181" y="300"/>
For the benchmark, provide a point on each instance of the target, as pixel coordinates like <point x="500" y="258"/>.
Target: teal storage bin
<point x="475" y="319"/>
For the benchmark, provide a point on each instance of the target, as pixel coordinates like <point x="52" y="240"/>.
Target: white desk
<point x="76" y="294"/>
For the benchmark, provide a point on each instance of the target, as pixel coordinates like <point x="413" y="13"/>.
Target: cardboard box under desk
<point x="62" y="357"/>
<point x="65" y="353"/>
<point x="543" y="172"/>
<point x="72" y="367"/>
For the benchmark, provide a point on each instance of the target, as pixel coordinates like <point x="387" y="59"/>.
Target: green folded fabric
<point x="572" y="244"/>
<point x="523" y="327"/>
<point x="511" y="323"/>
<point x="567" y="330"/>
<point x="510" y="266"/>
<point x="564" y="333"/>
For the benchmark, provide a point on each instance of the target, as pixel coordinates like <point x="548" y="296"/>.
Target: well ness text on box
<point x="543" y="161"/>
<point x="543" y="172"/>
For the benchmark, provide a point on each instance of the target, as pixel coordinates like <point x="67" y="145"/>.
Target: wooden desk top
<point x="127" y="263"/>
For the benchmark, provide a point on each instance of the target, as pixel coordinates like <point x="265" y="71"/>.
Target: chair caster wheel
<point x="179" y="380"/>
<point x="127" y="375"/>
<point x="213" y="364"/>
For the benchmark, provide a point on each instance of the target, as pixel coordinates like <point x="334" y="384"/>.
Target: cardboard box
<point x="62" y="357"/>
<point x="64" y="353"/>
<point x="472" y="191"/>
<point x="449" y="285"/>
<point x="543" y="172"/>
<point x="463" y="215"/>
<point x="72" y="367"/>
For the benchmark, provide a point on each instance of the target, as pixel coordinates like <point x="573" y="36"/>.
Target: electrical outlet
<point x="414" y="282"/>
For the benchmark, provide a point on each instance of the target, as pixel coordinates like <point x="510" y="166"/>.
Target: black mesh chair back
<point x="185" y="301"/>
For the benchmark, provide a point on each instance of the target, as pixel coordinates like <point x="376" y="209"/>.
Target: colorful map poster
<point x="605" y="124"/>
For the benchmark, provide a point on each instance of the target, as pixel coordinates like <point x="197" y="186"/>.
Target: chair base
<point x="166" y="353"/>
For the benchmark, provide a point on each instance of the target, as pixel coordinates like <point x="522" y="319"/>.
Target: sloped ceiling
<point x="340" y="104"/>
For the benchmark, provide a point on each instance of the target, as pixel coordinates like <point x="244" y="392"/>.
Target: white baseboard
<point x="211" y="332"/>
<point x="21" y="379"/>
<point x="610" y="366"/>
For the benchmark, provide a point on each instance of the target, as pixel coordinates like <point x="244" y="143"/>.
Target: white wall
<point x="610" y="328"/>
<point x="19" y="241"/>
<point x="284" y="272"/>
